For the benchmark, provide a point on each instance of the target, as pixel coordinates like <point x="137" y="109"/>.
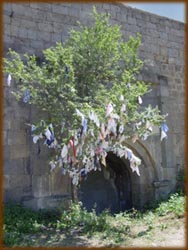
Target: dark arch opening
<point x="109" y="188"/>
<point x="122" y="181"/>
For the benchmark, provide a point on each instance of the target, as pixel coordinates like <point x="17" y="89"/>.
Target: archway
<point x="110" y="188"/>
<point x="122" y="181"/>
<point x="116" y="187"/>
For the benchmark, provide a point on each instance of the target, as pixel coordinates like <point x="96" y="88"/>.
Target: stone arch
<point x="102" y="187"/>
<point x="143" y="191"/>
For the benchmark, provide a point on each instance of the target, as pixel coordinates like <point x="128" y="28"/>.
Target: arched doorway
<point x="122" y="181"/>
<point x="109" y="188"/>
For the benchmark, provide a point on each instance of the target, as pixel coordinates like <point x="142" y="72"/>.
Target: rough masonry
<point x="32" y="27"/>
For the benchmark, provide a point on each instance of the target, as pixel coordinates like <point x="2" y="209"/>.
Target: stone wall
<point x="32" y="27"/>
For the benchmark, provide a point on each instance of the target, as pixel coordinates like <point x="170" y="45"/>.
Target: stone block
<point x="28" y="24"/>
<point x="32" y="34"/>
<point x="58" y="28"/>
<point x="172" y="52"/>
<point x="73" y="21"/>
<point x="16" y="21"/>
<point x="61" y="202"/>
<point x="16" y="194"/>
<point x="20" y="9"/>
<point x="6" y="181"/>
<point x="47" y="26"/>
<point x="31" y="203"/>
<point x="41" y="6"/>
<point x="12" y="195"/>
<point x="163" y="51"/>
<point x="5" y="137"/>
<point x="138" y="16"/>
<point x="148" y="73"/>
<point x="59" y="183"/>
<point x="164" y="36"/>
<point x="56" y="18"/>
<point x="164" y="91"/>
<point x="153" y="19"/>
<point x="151" y="26"/>
<point x="40" y="184"/>
<point x="15" y="167"/>
<point x="21" y="111"/>
<point x="44" y="36"/>
<point x="115" y="7"/>
<point x="35" y="14"/>
<point x="154" y="49"/>
<point x="14" y="30"/>
<point x="23" y="32"/>
<point x="13" y="42"/>
<point x="19" y="151"/>
<point x="122" y="18"/>
<point x="7" y="7"/>
<point x="60" y="9"/>
<point x="7" y="29"/>
<point x="177" y="32"/>
<point x="7" y="40"/>
<point x="113" y="22"/>
<point x="27" y="166"/>
<point x="37" y="44"/>
<point x="27" y="191"/>
<point x="180" y="161"/>
<point x="131" y="21"/>
<point x="73" y="11"/>
<point x="56" y="38"/>
<point x="169" y="173"/>
<point x="161" y="28"/>
<point x="146" y="16"/>
<point x="173" y="38"/>
<point x="17" y="138"/>
<point x="113" y="15"/>
<point x="6" y="152"/>
<point x="163" y="189"/>
<point x="39" y="165"/>
<point x="17" y="181"/>
<point x="16" y="125"/>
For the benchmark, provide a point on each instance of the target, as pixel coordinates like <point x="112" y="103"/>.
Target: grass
<point x="76" y="226"/>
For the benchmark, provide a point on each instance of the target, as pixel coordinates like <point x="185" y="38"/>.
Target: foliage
<point x="15" y="215"/>
<point x="111" y="229"/>
<point x="79" y="216"/>
<point x="176" y="205"/>
<point x="18" y="220"/>
<point x="95" y="74"/>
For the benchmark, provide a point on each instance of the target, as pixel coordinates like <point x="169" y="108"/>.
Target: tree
<point x="88" y="87"/>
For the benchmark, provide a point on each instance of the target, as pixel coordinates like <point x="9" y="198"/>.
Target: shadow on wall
<point x="110" y="188"/>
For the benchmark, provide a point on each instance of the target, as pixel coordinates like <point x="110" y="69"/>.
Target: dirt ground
<point x="171" y="234"/>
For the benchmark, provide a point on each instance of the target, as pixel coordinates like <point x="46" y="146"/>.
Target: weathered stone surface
<point x="19" y="151"/>
<point x="41" y="6"/>
<point x="32" y="27"/>
<point x="32" y="34"/>
<point x="40" y="184"/>
<point x="15" y="167"/>
<point x="16" y="138"/>
<point x="6" y="181"/>
<point x="59" y="184"/>
<point x="21" y="180"/>
<point x="59" y="202"/>
<point x="45" y="36"/>
<point x="46" y="26"/>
